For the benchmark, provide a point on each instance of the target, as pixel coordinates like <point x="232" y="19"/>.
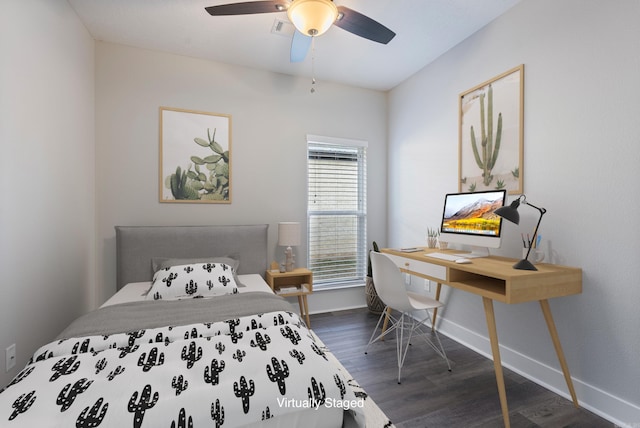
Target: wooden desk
<point x="493" y="278"/>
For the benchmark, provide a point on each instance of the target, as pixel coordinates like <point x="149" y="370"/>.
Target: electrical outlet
<point x="10" y="355"/>
<point x="427" y="286"/>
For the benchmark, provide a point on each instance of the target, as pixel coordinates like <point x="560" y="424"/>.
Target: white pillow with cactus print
<point x="192" y="281"/>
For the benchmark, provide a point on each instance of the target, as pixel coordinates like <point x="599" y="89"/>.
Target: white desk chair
<point x="387" y="279"/>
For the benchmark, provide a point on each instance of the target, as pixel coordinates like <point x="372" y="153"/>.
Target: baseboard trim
<point x="616" y="410"/>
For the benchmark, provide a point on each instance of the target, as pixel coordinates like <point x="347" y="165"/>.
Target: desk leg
<point x="385" y="323"/>
<point x="497" y="362"/>
<point x="435" y="310"/>
<point x="546" y="310"/>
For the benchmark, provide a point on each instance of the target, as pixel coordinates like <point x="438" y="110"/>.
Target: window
<point x="336" y="210"/>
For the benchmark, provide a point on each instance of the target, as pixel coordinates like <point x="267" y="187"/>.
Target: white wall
<point x="271" y="116"/>
<point x="581" y="160"/>
<point x="46" y="174"/>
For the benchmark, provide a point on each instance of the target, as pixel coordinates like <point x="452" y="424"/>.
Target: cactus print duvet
<point x="252" y="370"/>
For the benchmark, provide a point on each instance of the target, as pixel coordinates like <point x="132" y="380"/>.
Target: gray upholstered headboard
<point x="137" y="245"/>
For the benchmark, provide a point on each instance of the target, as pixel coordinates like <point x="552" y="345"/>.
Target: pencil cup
<point x="443" y="245"/>
<point x="535" y="256"/>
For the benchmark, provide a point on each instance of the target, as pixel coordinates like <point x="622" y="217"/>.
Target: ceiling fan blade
<point x="363" y="26"/>
<point x="299" y="46"/>
<point x="248" y="8"/>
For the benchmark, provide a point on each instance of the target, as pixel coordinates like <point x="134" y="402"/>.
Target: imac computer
<point x="469" y="219"/>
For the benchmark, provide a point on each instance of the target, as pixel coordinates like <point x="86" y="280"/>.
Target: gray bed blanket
<point x="148" y="314"/>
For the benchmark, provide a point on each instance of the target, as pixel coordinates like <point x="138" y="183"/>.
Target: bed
<point x="168" y="351"/>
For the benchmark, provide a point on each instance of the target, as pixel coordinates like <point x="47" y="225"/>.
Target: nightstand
<point x="298" y="283"/>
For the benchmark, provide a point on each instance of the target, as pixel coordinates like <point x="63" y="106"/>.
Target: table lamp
<point x="288" y="236"/>
<point x="511" y="213"/>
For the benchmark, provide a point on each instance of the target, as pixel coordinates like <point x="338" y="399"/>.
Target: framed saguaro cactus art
<point x="491" y="134"/>
<point x="195" y="156"/>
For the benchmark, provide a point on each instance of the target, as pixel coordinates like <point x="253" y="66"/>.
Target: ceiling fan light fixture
<point x="312" y="17"/>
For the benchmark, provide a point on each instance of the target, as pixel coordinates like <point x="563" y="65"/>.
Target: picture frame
<point x="195" y="157"/>
<point x="491" y="134"/>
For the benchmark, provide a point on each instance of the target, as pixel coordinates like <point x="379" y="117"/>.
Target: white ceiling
<point x="425" y="30"/>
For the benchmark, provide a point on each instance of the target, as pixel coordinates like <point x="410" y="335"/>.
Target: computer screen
<point x="469" y="219"/>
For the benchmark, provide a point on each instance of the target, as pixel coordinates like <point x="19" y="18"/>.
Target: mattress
<point x="137" y="291"/>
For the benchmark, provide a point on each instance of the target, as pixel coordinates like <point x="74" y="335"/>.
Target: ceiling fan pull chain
<point x="313" y="63"/>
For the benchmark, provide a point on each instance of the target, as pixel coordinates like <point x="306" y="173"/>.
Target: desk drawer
<point x="436" y="272"/>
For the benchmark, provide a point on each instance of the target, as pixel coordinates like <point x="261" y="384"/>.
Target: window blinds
<point x="336" y="212"/>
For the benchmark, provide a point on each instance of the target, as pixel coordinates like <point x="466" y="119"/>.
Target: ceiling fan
<point x="311" y="19"/>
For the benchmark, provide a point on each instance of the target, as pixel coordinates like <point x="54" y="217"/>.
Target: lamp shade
<point x="510" y="212"/>
<point x="312" y="17"/>
<point x="289" y="234"/>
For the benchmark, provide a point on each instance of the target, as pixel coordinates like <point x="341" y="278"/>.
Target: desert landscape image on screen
<point x="469" y="213"/>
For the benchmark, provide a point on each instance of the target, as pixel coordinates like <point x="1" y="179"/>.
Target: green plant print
<point x="209" y="178"/>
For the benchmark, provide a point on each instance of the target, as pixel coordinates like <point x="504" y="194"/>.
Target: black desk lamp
<point x="511" y="213"/>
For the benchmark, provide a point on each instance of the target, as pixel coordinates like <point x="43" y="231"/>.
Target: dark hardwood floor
<point x="430" y="395"/>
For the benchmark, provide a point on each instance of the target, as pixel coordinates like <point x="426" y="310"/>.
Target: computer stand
<point x="475" y="252"/>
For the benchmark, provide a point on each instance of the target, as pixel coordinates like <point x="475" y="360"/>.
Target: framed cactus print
<point x="490" y="150"/>
<point x="195" y="156"/>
